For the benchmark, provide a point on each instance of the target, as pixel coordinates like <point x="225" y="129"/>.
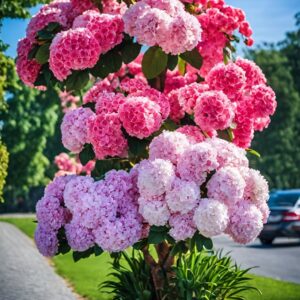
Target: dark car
<point x="284" y="219"/>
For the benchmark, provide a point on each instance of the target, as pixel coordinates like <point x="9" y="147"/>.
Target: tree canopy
<point x="279" y="144"/>
<point x="27" y="126"/>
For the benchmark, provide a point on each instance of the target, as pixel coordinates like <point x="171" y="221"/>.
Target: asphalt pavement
<point x="280" y="260"/>
<point x="24" y="273"/>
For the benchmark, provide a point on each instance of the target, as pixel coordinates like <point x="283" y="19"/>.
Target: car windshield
<point x="283" y="199"/>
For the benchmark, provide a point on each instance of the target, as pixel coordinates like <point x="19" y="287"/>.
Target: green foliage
<point x="154" y="62"/>
<point x="77" y="80"/>
<point x="130" y="52"/>
<point x="109" y="62"/>
<point x="3" y="167"/>
<point x="86" y="154"/>
<point x="201" y="242"/>
<point x="8" y="78"/>
<point x="103" y="166"/>
<point x="172" y="62"/>
<point x="196" y="276"/>
<point x="206" y="276"/>
<point x="130" y="281"/>
<point x="17" y="8"/>
<point x="192" y="57"/>
<point x="95" y="250"/>
<point x="27" y="125"/>
<point x="157" y="234"/>
<point x="279" y="144"/>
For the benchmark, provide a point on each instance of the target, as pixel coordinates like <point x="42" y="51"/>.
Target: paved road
<point x="17" y="215"/>
<point x="280" y="261"/>
<point x="24" y="273"/>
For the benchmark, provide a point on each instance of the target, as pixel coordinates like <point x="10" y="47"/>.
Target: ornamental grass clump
<point x="159" y="139"/>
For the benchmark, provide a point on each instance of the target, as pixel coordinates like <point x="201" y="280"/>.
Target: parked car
<point x="284" y="219"/>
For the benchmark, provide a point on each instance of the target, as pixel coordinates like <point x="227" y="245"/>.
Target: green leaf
<point x="230" y="134"/>
<point x="181" y="66"/>
<point x="137" y="147"/>
<point x="43" y="53"/>
<point x="179" y="247"/>
<point x="53" y="27"/>
<point x="98" y="250"/>
<point x="207" y="242"/>
<point x="103" y="166"/>
<point x="193" y="58"/>
<point x="154" y="62"/>
<point x="201" y="242"/>
<point x="253" y="152"/>
<point x="90" y="105"/>
<point x="33" y="51"/>
<point x="130" y="52"/>
<point x="157" y="234"/>
<point x="40" y="80"/>
<point x="109" y="62"/>
<point x="140" y="244"/>
<point x="49" y="31"/>
<point x="170" y="125"/>
<point x="86" y="154"/>
<point x="80" y="255"/>
<point x="226" y="56"/>
<point x="172" y="61"/>
<point x="77" y="80"/>
<point x="98" y="4"/>
<point x="63" y="246"/>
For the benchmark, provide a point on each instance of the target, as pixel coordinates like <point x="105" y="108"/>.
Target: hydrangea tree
<point x="168" y="127"/>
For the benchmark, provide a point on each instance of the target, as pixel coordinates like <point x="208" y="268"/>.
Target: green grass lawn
<point x="86" y="275"/>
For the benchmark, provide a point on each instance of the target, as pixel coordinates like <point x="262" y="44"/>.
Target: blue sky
<point x="270" y="19"/>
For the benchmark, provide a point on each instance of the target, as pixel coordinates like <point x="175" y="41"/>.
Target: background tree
<point x="17" y="8"/>
<point x="281" y="64"/>
<point x="3" y="167"/>
<point x="26" y="129"/>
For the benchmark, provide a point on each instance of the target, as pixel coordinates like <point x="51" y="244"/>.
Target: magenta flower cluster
<point x="233" y="96"/>
<point x="141" y="114"/>
<point x="71" y="165"/>
<point x="86" y="33"/>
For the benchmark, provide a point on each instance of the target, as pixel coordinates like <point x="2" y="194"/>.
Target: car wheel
<point x="266" y="241"/>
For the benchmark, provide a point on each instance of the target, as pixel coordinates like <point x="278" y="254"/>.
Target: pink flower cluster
<point x="92" y="212"/>
<point x="245" y="85"/>
<point x="106" y="28"/>
<point x="108" y="6"/>
<point x="70" y="165"/>
<point x="233" y="96"/>
<point x="51" y="215"/>
<point x="56" y="12"/>
<point x="27" y="69"/>
<point x="68" y="101"/>
<point x="219" y="22"/>
<point x="140" y="114"/>
<point x="74" y="128"/>
<point x="169" y="187"/>
<point x="86" y="33"/>
<point x="163" y="23"/>
<point x="74" y="49"/>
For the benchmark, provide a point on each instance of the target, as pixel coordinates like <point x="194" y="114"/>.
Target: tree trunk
<point x="161" y="271"/>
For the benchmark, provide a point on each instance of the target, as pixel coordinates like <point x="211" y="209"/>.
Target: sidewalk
<point x="24" y="273"/>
